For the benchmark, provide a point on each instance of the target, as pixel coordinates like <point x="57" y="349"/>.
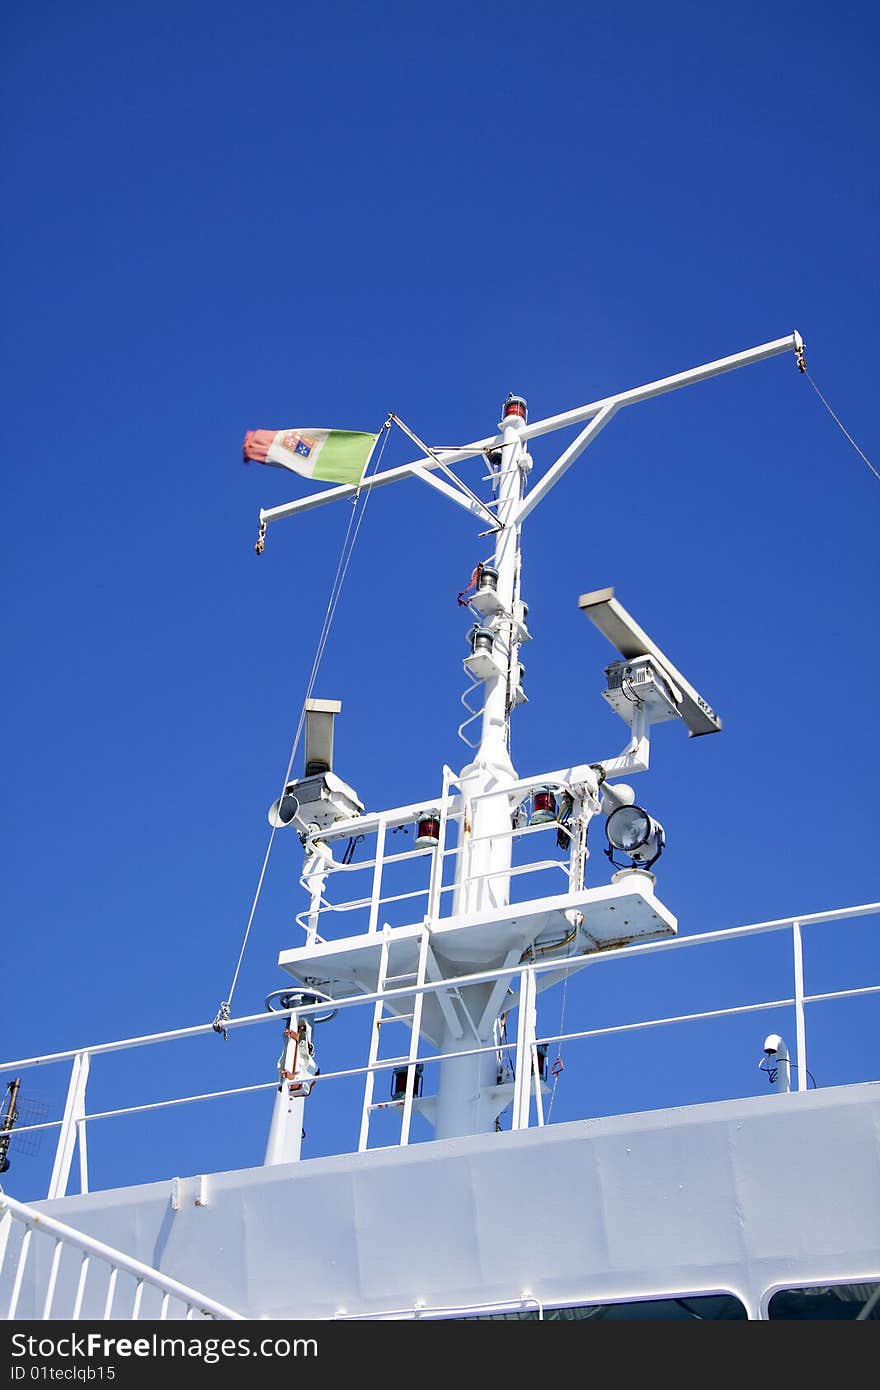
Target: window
<point x="721" y="1307"/>
<point x="828" y="1303"/>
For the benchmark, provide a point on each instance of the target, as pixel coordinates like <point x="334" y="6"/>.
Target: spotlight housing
<point x="633" y="832"/>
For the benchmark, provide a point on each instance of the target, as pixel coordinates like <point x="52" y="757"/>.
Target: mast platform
<point x="612" y="914"/>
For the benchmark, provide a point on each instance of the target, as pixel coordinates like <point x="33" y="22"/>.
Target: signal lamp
<point x="482" y="639"/>
<point x="398" y="1081"/>
<point x="428" y="829"/>
<point x="543" y="806"/>
<point x="285" y="810"/>
<point x="632" y="831"/>
<point x="514" y="405"/>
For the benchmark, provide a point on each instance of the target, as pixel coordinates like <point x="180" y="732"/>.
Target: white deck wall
<point x="736" y="1195"/>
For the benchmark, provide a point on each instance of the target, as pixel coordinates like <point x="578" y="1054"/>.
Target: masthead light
<point x="514" y="405"/>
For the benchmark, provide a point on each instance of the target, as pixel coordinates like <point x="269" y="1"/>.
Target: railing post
<point x="373" y="1054"/>
<point x="53" y="1279"/>
<point x="536" y="1078"/>
<point x="74" y="1111"/>
<point x="799" y="1016"/>
<point x="5" y="1231"/>
<point x="435" y="882"/>
<point x="314" y="880"/>
<point x="80" y="1288"/>
<point x="19" y="1273"/>
<point x="376" y="894"/>
<point x="82" y="1150"/>
<point x="525" y="1037"/>
<point x="415" y="1037"/>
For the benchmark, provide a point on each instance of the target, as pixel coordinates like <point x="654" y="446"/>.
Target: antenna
<point x="319" y="735"/>
<point x="623" y="632"/>
<point x="8" y="1121"/>
<point x="319" y="797"/>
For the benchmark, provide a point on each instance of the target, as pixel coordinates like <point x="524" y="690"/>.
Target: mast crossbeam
<point x="578" y="416"/>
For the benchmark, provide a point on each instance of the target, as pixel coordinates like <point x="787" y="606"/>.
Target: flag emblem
<point x="330" y="456"/>
<point x="298" y="443"/>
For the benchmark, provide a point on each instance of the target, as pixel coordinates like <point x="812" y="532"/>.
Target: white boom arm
<point x="603" y="409"/>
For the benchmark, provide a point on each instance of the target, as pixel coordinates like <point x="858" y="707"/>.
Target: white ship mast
<point x="484" y="932"/>
<point x="478" y="940"/>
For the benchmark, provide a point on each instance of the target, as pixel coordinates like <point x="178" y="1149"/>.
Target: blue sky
<point x="226" y="218"/>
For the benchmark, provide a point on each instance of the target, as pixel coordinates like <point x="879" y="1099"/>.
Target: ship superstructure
<point x="444" y="948"/>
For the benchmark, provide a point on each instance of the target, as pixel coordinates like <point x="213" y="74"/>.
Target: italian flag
<point x="328" y="456"/>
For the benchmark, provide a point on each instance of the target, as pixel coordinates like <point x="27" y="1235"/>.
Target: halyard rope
<point x="840" y="425"/>
<point x="355" y="521"/>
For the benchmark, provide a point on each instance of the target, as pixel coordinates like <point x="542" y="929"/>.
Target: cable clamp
<point x="221" y="1019"/>
<point x="261" y="539"/>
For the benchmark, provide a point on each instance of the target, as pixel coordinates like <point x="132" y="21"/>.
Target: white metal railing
<point x="319" y="867"/>
<point x="33" y="1223"/>
<point x="72" y="1126"/>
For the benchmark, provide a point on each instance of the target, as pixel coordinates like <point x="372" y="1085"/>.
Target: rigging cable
<point x="348" y="544"/>
<point x="840" y="425"/>
<point x="772" y="1072"/>
<point x="558" y="1066"/>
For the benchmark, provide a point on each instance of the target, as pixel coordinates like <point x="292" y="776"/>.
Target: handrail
<point x="478" y="977"/>
<point x="76" y="1118"/>
<point x="358" y="904"/>
<point x="38" y="1221"/>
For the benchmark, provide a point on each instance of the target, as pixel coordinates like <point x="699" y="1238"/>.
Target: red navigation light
<point x="515" y="405"/>
<point x="428" y="830"/>
<point x="543" y="806"/>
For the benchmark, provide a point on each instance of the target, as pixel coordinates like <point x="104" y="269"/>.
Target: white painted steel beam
<point x="422" y="470"/>
<point x="525" y="1037"/>
<point x="800" y="1021"/>
<point x="496" y="995"/>
<point x="74" y="1111"/>
<point x="545" y="426"/>
<point x="414" y="1037"/>
<point x="434" y="974"/>
<point x="564" y="462"/>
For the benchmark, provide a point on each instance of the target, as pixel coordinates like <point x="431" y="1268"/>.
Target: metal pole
<point x="315" y="880"/>
<point x="74" y="1110"/>
<point x="488" y="816"/>
<point x="485" y="848"/>
<point x="525" y="1036"/>
<point x="800" y="1018"/>
<point x="7" y="1124"/>
<point x="284" y="1144"/>
<point x="376" y="893"/>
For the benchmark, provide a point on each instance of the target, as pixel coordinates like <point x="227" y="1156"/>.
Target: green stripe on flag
<point x="344" y="457"/>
